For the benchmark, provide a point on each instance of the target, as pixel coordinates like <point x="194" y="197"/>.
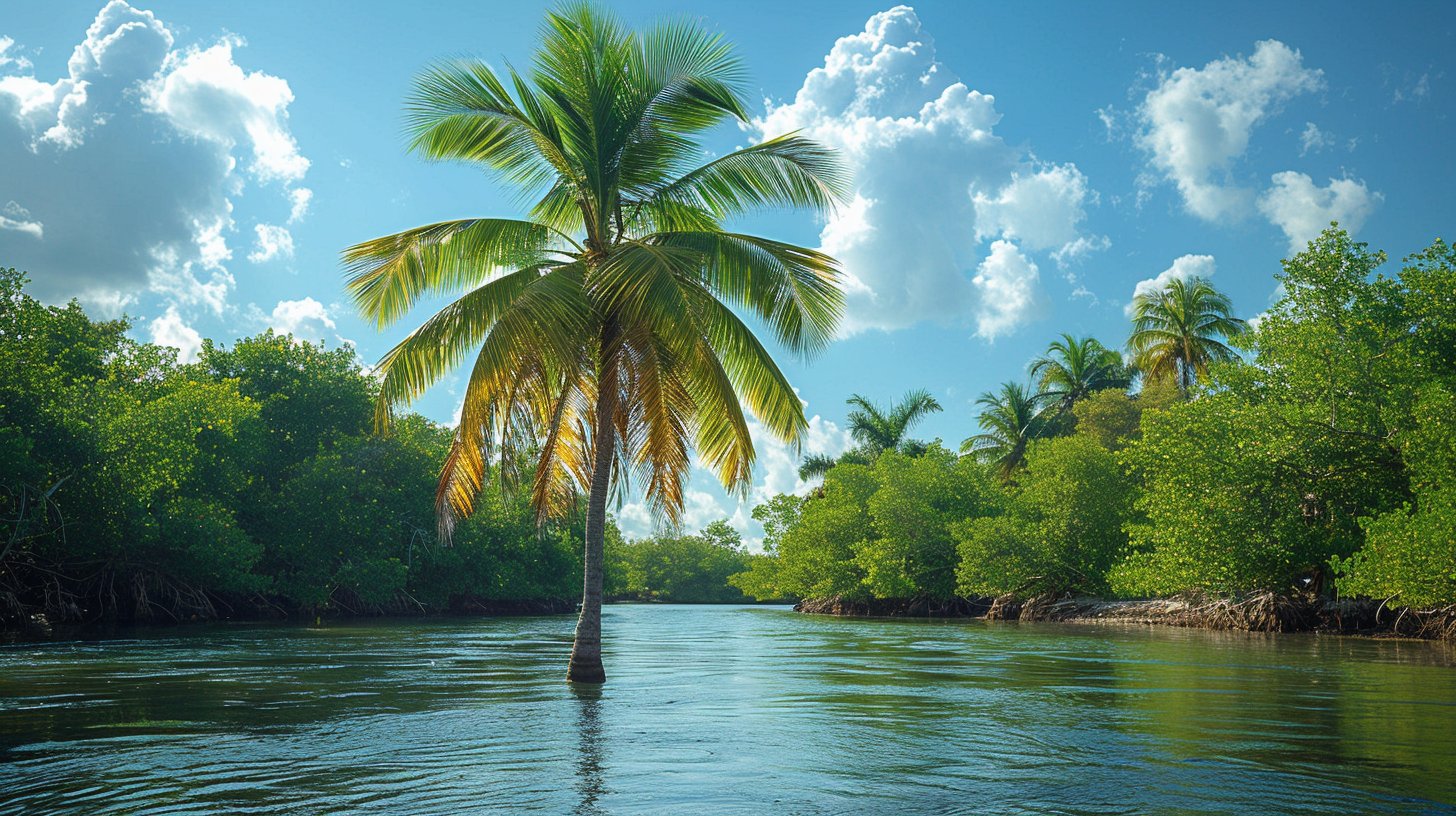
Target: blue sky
<point x="1021" y="168"/>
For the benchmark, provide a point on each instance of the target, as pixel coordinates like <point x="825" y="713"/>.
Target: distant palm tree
<point x="818" y="464"/>
<point x="602" y="327"/>
<point x="877" y="430"/>
<point x="1072" y="368"/>
<point x="1177" y="331"/>
<point x="1011" y="419"/>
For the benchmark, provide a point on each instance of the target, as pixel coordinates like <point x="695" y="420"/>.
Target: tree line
<point x="250" y="483"/>
<point x="1312" y="449"/>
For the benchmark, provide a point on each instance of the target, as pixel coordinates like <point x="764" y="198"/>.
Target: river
<point x="715" y="709"/>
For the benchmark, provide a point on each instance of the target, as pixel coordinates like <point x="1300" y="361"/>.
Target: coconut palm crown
<point x="1177" y="331"/>
<point x="1072" y="368"/>
<point x="1011" y="418"/>
<point x="877" y="430"/>
<point x="602" y="330"/>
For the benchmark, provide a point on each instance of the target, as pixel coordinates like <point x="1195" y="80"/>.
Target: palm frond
<point x="387" y="275"/>
<point x="786" y="171"/>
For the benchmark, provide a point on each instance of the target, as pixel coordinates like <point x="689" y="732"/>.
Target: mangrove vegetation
<point x="1310" y="451"/>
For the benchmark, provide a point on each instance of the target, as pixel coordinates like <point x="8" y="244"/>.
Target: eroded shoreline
<point x="1261" y="612"/>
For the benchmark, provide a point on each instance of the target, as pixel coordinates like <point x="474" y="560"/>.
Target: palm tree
<point x="602" y="326"/>
<point x="1011" y="419"/>
<point x="1176" y="331"/>
<point x="877" y="430"/>
<point x="818" y="464"/>
<point x="1073" y="368"/>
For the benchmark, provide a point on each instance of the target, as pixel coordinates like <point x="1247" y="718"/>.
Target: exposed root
<point x="1256" y="612"/>
<point x="922" y="607"/>
<point x="1259" y="612"/>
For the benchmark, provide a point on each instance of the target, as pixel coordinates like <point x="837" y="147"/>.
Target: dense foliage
<point x="875" y="531"/>
<point x="132" y="487"/>
<point x="1062" y="527"/>
<point x="1313" y="452"/>
<point x="678" y="568"/>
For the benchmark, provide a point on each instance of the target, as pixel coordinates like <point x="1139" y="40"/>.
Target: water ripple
<point x="725" y="710"/>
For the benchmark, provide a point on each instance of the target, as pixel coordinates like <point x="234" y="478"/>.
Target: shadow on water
<point x="590" y="781"/>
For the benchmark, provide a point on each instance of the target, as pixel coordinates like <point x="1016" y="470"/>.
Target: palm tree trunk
<point x="586" y="652"/>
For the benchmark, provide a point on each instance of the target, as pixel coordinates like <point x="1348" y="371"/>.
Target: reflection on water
<point x="726" y="710"/>
<point x="589" y="761"/>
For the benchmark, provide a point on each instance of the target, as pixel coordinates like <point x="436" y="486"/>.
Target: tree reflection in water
<point x="589" y="782"/>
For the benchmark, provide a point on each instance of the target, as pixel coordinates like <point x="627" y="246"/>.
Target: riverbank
<point x="1261" y="612"/>
<point x="38" y="625"/>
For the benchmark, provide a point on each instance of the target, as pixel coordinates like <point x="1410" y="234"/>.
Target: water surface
<point x="726" y="710"/>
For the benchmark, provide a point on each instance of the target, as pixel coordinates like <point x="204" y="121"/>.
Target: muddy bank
<point x="1262" y="612"/>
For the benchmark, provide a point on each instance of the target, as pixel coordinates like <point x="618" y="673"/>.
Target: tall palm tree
<point x="1177" y="331"/>
<point x="1073" y="368"/>
<point x="1012" y="418"/>
<point x="602" y="326"/>
<point x="877" y="430"/>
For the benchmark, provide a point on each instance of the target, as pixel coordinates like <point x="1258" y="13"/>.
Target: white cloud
<point x="1010" y="294"/>
<point x="301" y="198"/>
<point x="8" y="56"/>
<point x="1313" y="140"/>
<point x="306" y="318"/>
<point x="205" y="94"/>
<point x="1302" y="209"/>
<point x="1185" y="267"/>
<point x="179" y="283"/>
<point x="921" y="146"/>
<point x="635" y="520"/>
<point x="1076" y="250"/>
<point x="17" y="218"/>
<point x="272" y="242"/>
<point x="1041" y="210"/>
<point x="150" y="134"/>
<point x="778" y="464"/>
<point x="700" y="508"/>
<point x="1198" y="121"/>
<point x="171" y="330"/>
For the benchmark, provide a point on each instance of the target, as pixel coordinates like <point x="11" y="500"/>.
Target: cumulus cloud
<point x="1041" y="209"/>
<point x="933" y="179"/>
<point x="1302" y="209"/>
<point x="171" y="330"/>
<point x="1185" y="267"/>
<point x="207" y="95"/>
<point x="1198" y="121"/>
<point x="273" y="241"/>
<point x="126" y="165"/>
<point x="306" y="318"/>
<point x="1010" y="294"/>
